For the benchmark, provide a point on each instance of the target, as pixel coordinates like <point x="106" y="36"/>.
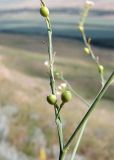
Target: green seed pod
<point x="101" y="69"/>
<point x="51" y="99"/>
<point x="86" y="50"/>
<point x="80" y="28"/>
<point x="44" y="11"/>
<point x="66" y="96"/>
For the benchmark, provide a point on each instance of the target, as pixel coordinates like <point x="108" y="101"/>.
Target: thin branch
<point x="79" y="139"/>
<point x="42" y="2"/>
<point x="95" y="102"/>
<point x="50" y="51"/>
<point x="52" y="83"/>
<point x="61" y="106"/>
<point x="87" y="44"/>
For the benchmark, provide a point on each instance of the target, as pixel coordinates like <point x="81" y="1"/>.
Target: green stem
<point x="60" y="134"/>
<point x="61" y="106"/>
<point x="83" y="15"/>
<point x="101" y="76"/>
<point x="102" y="82"/>
<point x="42" y="2"/>
<point x="92" y="55"/>
<point x="62" y="155"/>
<point x="59" y="127"/>
<point x="92" y="107"/>
<point x="50" y="51"/>
<point x="87" y="44"/>
<point x="52" y="84"/>
<point x="79" y="139"/>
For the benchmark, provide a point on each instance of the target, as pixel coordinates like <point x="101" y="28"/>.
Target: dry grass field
<point x="24" y="84"/>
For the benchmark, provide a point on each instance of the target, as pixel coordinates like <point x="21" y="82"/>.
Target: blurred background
<point x="27" y="129"/>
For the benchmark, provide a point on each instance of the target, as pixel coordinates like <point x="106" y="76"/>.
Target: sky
<point x="15" y="4"/>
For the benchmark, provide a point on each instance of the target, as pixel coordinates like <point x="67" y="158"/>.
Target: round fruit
<point x="86" y="50"/>
<point x="66" y="96"/>
<point x="80" y="28"/>
<point x="101" y="69"/>
<point x="44" y="11"/>
<point x="51" y="99"/>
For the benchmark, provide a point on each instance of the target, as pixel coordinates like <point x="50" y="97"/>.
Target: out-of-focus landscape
<point x="27" y="128"/>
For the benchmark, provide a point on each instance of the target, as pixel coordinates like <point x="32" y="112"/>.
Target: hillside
<point x="57" y="3"/>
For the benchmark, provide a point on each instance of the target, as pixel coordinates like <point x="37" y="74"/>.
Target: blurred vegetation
<point x="24" y="85"/>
